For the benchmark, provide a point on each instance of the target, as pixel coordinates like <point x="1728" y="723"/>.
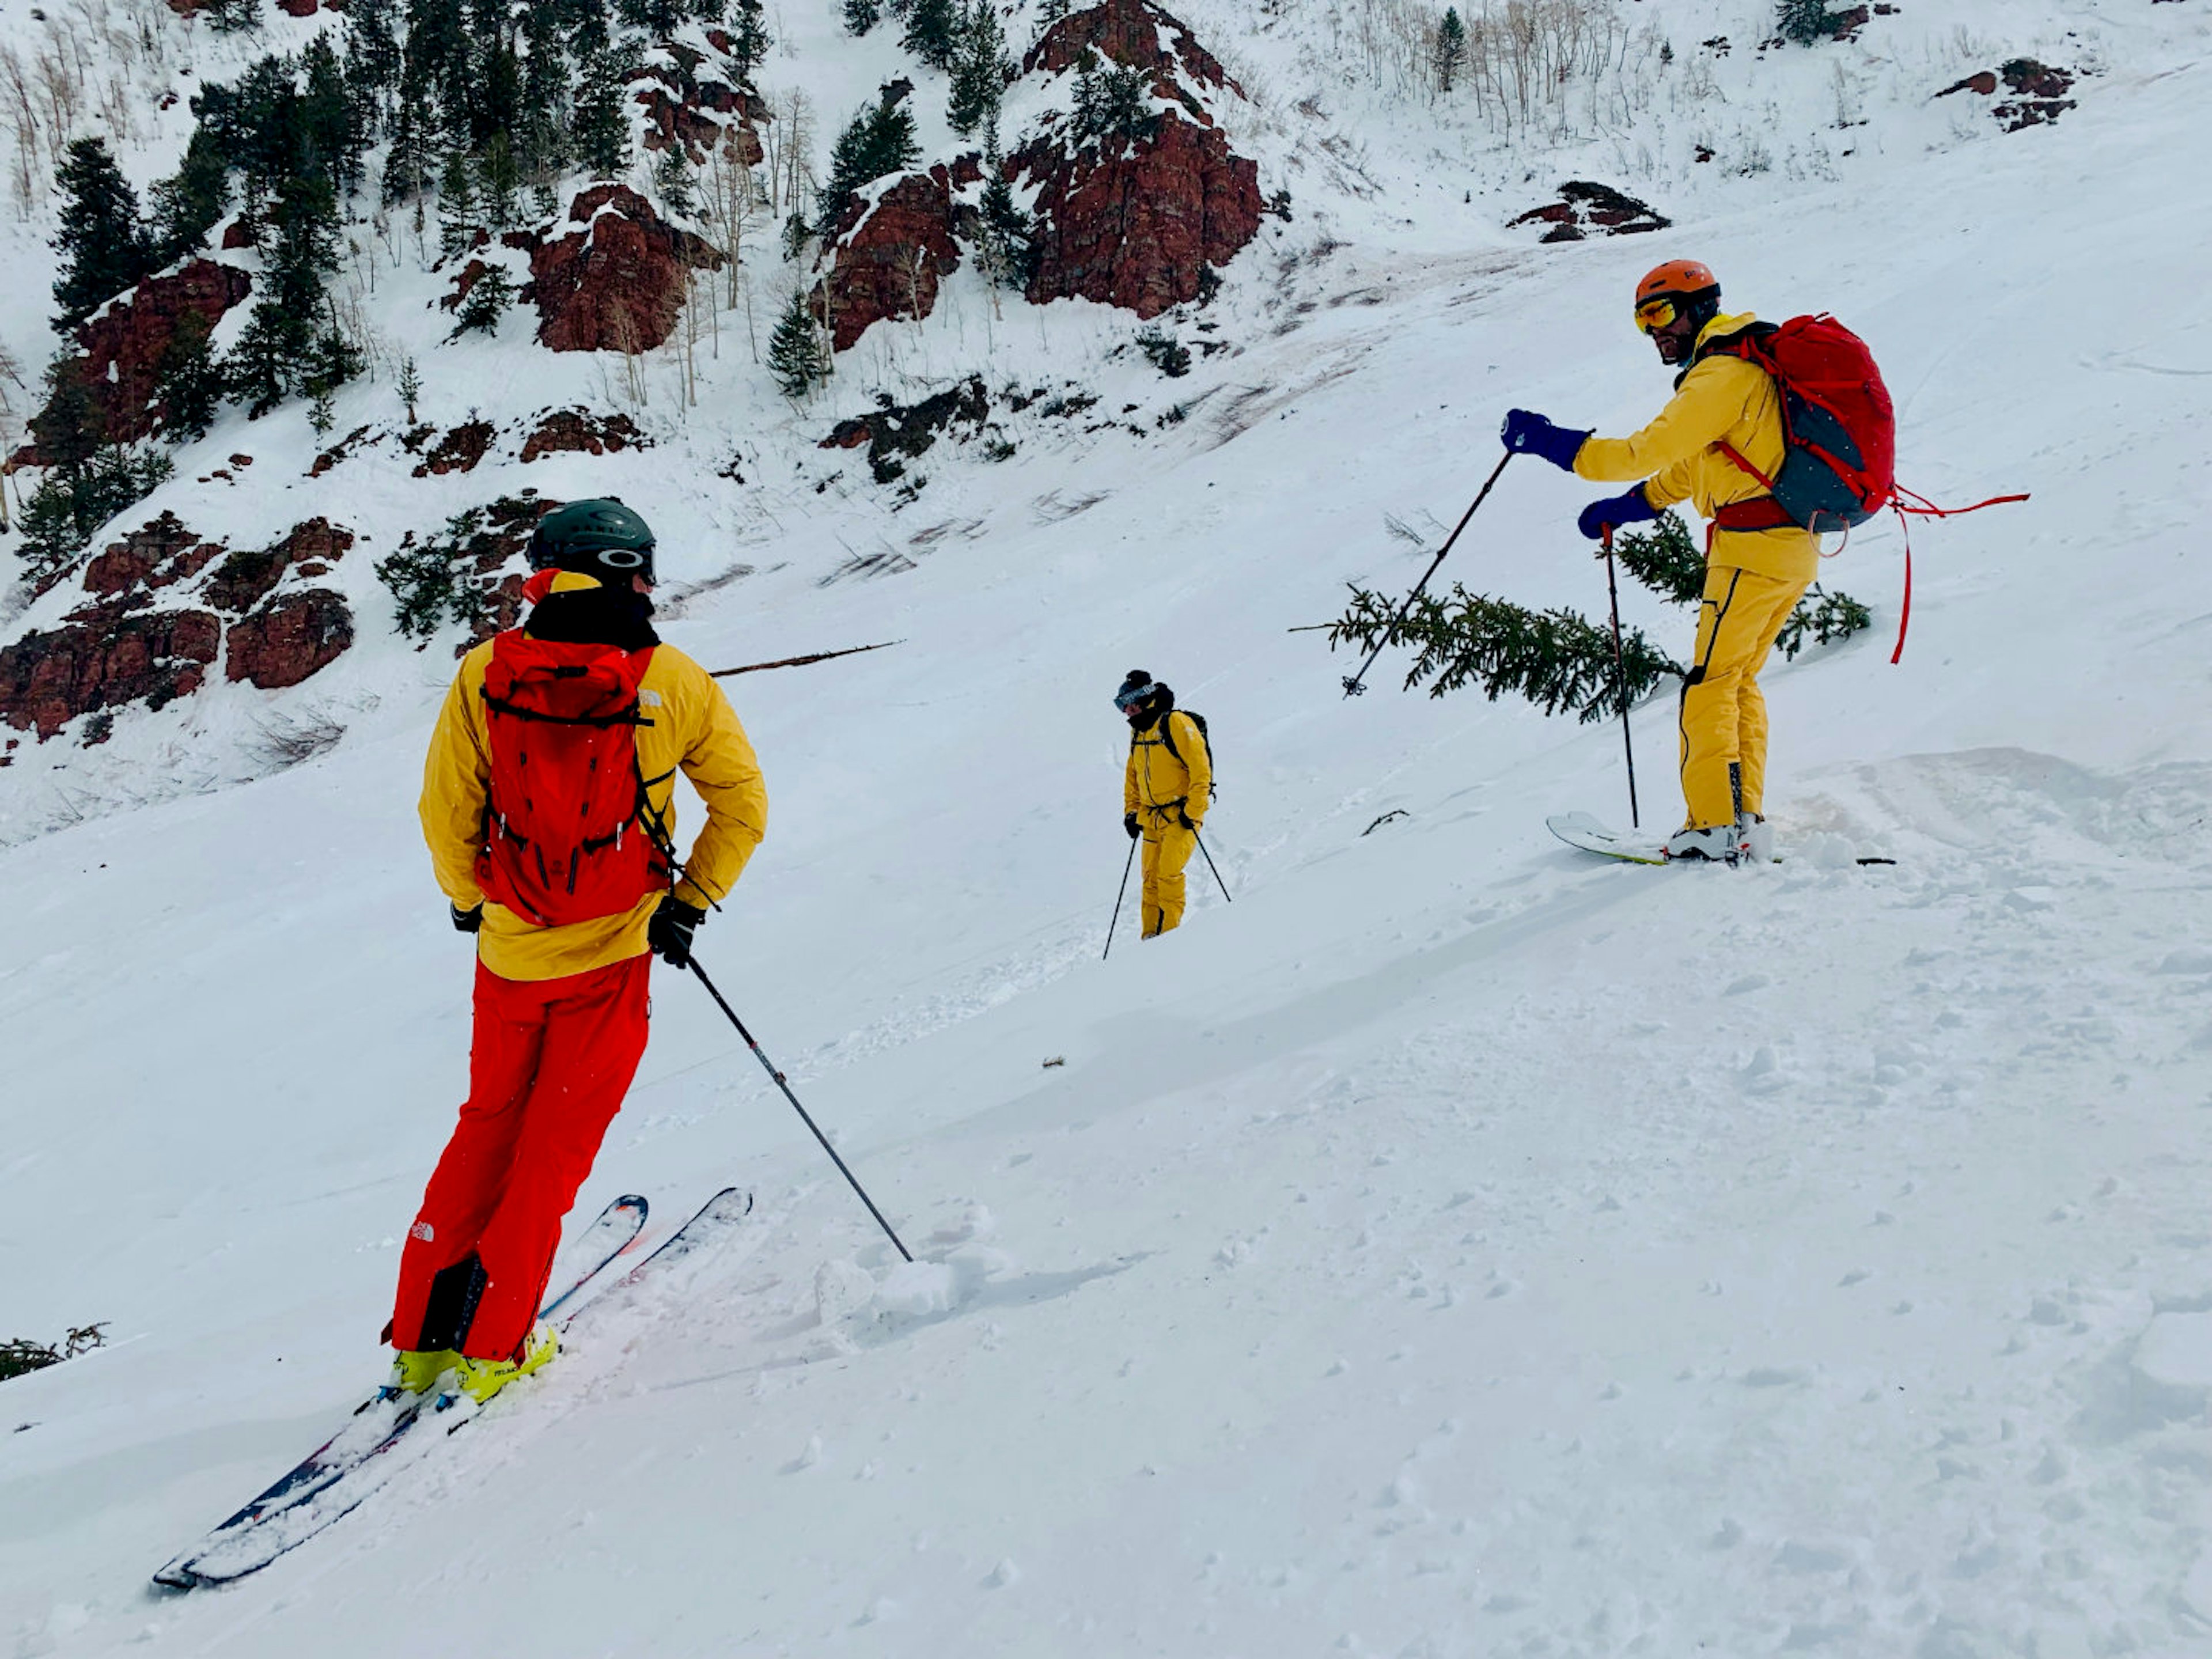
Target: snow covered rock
<point x="1135" y="219"/>
<point x="891" y="263"/>
<point x="615" y="282"/>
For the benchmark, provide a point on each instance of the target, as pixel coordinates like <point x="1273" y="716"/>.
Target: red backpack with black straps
<point x="1839" y="427"/>
<point x="569" y="832"/>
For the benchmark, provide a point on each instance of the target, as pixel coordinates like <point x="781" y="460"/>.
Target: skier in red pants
<point x="547" y="804"/>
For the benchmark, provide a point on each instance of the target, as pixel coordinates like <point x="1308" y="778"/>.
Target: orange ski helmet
<point x="1678" y="286"/>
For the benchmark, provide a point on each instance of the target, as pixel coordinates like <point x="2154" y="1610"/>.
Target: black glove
<point x="1129" y="822"/>
<point x="669" y="933"/>
<point x="465" y="921"/>
<point x="1182" y="818"/>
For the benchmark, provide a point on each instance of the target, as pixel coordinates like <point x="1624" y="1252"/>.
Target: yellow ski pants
<point x="1168" y="847"/>
<point x="1723" y="718"/>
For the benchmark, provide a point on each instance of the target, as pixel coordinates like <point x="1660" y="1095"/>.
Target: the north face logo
<point x="423" y="1230"/>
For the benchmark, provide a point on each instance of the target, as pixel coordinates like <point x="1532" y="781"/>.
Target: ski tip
<point x="177" y="1575"/>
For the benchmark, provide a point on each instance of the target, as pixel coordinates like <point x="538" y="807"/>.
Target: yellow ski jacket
<point x="693" y="730"/>
<point x="1720" y="400"/>
<point x="1155" y="782"/>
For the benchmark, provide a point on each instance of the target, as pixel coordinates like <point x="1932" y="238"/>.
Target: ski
<point x="304" y="1499"/>
<point x="1582" y="831"/>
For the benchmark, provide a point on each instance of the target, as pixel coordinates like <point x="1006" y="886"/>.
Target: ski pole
<point x="1216" y="868"/>
<point x="1119" y="892"/>
<point x="1621" y="673"/>
<point x="768" y="1066"/>
<point x="1352" y="686"/>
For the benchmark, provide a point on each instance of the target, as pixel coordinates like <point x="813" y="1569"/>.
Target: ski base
<point x="1589" y="835"/>
<point x="376" y="1444"/>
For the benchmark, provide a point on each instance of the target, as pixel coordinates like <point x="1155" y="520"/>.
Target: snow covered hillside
<point x="1456" y="1245"/>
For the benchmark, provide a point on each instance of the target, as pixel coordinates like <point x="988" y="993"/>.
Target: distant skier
<point x="547" y="802"/>
<point x="1165" y="790"/>
<point x="1712" y="444"/>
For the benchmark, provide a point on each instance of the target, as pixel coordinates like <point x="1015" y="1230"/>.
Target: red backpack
<point x="569" y="832"/>
<point x="1840" y="429"/>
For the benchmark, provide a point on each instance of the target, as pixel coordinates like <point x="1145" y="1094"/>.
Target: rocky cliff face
<point x="1133" y="219"/>
<point x="164" y="607"/>
<point x="617" y="283"/>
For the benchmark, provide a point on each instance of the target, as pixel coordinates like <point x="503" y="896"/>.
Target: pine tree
<point x="861" y="15"/>
<point x="498" y="180"/>
<point x="410" y="387"/>
<point x="489" y="297"/>
<point x="1009" y="235"/>
<point x="879" y="140"/>
<point x="795" y="357"/>
<point x="232" y="16"/>
<point x="658" y="18"/>
<point x="329" y="135"/>
<point x="1562" y="662"/>
<point x="460" y="215"/>
<point x="1113" y="104"/>
<point x="1449" y="51"/>
<point x="749" y="37"/>
<point x="104" y="249"/>
<point x="186" y="383"/>
<point x="602" y="131"/>
<point x="933" y="32"/>
<point x="1806" y="21"/>
<point x="980" y="71"/>
<point x="672" y="178"/>
<point x="189" y="203"/>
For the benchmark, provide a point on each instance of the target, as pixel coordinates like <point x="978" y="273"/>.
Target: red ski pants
<point x="548" y="1067"/>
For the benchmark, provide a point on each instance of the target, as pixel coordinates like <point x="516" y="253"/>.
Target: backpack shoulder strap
<point x="1167" y="735"/>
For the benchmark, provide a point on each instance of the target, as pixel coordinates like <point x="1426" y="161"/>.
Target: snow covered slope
<point x="1453" y="1246"/>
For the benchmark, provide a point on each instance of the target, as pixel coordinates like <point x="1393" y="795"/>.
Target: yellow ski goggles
<point x="1658" y="312"/>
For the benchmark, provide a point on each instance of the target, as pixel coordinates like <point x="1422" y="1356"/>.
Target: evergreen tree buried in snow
<point x="861" y="15"/>
<point x="1806" y="21"/>
<point x="103" y="247"/>
<point x="933" y="32"/>
<point x="980" y="71"/>
<point x="1448" y="55"/>
<point x="672" y="176"/>
<point x="795" y="356"/>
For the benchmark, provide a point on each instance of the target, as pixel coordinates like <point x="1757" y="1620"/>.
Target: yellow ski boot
<point x="417" y="1370"/>
<point x="480" y="1379"/>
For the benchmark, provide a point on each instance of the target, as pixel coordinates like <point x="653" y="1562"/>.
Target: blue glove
<point x="1631" y="507"/>
<point x="1527" y="434"/>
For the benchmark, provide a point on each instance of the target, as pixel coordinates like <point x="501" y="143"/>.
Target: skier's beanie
<point x="1133" y="687"/>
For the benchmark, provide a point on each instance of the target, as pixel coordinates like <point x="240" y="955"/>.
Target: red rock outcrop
<point x="1585" y="209"/>
<point x="579" y="430"/>
<point x="1135" y="35"/>
<point x="1135" y="221"/>
<point x="677" y="96"/>
<point x="296" y="9"/>
<point x="48" y="678"/>
<point x="135" y="644"/>
<point x="1137" y="226"/>
<point x="891" y="263"/>
<point x="617" y="284"/>
<point x="2037" y="92"/>
<point x="284" y="642"/>
<point x="459" y="450"/>
<point x="121" y="348"/>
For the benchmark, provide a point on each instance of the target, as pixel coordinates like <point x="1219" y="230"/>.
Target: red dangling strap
<point x="1922" y="508"/>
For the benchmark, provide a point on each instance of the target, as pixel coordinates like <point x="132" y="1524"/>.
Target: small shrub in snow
<point x="489" y="295"/>
<point x="1806" y="22"/>
<point x="23" y="1355"/>
<point x="1165" y="353"/>
<point x="795" y="353"/>
<point x="443" y="580"/>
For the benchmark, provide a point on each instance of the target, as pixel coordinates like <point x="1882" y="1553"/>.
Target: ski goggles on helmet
<point x="1130" y="695"/>
<point x="1658" y="312"/>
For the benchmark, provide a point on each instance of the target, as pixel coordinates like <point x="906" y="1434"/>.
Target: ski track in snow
<point x="1456" y="1246"/>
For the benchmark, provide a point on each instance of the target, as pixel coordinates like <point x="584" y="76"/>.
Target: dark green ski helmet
<point x="602" y="538"/>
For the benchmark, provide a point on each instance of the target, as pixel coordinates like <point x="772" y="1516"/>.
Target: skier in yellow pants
<point x="1165" y="790"/>
<point x="1714" y="445"/>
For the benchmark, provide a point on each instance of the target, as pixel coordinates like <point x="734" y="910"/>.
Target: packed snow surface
<point x="1456" y="1246"/>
